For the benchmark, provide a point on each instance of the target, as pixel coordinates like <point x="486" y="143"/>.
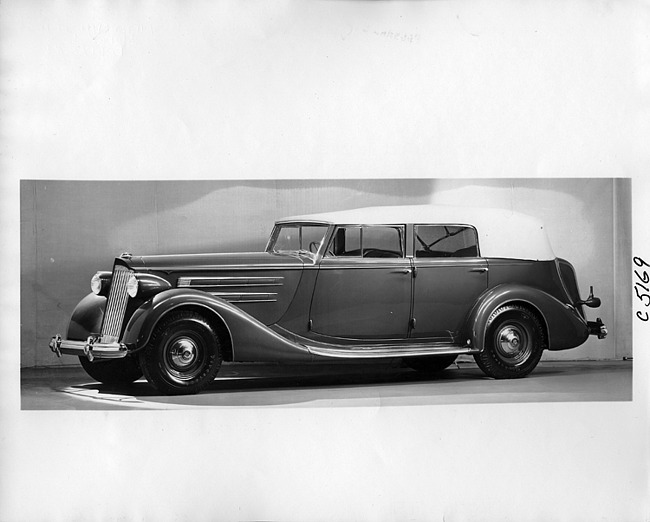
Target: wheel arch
<point x="533" y="309"/>
<point x="248" y="339"/>
<point x="143" y="322"/>
<point x="532" y="299"/>
<point x="216" y="322"/>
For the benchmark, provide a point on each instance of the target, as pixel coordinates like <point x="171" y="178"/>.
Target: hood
<point x="206" y="261"/>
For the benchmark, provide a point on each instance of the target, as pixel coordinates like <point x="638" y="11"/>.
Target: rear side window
<point x="367" y="241"/>
<point x="445" y="241"/>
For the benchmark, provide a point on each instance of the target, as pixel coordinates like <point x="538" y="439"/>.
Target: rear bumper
<point x="597" y="328"/>
<point x="90" y="348"/>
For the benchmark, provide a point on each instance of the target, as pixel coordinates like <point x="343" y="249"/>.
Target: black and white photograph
<point x="420" y="288"/>
<point x="329" y="260"/>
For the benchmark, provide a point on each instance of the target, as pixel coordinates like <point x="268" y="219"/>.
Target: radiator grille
<point x="116" y="306"/>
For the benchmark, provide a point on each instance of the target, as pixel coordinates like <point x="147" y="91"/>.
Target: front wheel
<point x="514" y="343"/>
<point x="183" y="355"/>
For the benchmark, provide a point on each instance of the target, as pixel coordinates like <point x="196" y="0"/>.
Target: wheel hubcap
<point x="183" y="352"/>
<point x="509" y="340"/>
<point x="184" y="358"/>
<point x="513" y="345"/>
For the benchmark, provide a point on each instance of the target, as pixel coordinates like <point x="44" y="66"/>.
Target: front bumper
<point x="90" y="348"/>
<point x="597" y="328"/>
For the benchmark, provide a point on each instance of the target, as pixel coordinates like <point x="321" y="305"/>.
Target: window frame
<point x="462" y="225"/>
<point x="401" y="229"/>
<point x="272" y="241"/>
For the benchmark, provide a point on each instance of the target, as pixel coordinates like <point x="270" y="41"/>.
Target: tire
<point x="514" y="343"/>
<point x="183" y="355"/>
<point x="433" y="364"/>
<point x="113" y="371"/>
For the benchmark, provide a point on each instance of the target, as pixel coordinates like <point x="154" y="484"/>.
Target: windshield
<point x="297" y="239"/>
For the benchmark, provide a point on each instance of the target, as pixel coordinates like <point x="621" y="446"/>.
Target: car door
<point x="364" y="288"/>
<point x="450" y="276"/>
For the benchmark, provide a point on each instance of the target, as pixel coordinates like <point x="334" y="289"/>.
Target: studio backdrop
<point x="71" y="229"/>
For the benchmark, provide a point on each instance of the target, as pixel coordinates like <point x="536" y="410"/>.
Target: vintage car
<point x="422" y="283"/>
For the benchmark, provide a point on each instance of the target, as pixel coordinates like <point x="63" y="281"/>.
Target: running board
<point x="386" y="351"/>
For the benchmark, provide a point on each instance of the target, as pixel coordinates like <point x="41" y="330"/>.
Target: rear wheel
<point x="113" y="371"/>
<point x="183" y="355"/>
<point x="433" y="364"/>
<point x="513" y="343"/>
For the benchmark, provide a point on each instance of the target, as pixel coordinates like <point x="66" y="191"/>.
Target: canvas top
<point x="502" y="233"/>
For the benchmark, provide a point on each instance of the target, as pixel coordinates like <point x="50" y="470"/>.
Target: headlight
<point x="132" y="286"/>
<point x="96" y="284"/>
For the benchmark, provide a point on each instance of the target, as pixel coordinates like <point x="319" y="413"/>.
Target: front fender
<point x="251" y="340"/>
<point x="87" y="317"/>
<point x="565" y="328"/>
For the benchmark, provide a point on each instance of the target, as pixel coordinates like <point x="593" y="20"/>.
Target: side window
<point x="346" y="242"/>
<point x="445" y="241"/>
<point x="369" y="241"/>
<point x="382" y="242"/>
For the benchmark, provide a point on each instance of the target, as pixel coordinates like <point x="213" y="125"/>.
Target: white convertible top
<point x="502" y="233"/>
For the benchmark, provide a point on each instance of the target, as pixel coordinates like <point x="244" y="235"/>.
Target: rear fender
<point x="564" y="327"/>
<point x="251" y="340"/>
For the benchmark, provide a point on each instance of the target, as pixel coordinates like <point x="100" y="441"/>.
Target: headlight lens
<point x="96" y="284"/>
<point x="132" y="286"/>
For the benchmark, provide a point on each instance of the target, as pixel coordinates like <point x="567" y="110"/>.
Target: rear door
<point x="450" y="276"/>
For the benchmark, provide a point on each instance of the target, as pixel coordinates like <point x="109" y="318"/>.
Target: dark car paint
<point x="260" y="283"/>
<point x="87" y="317"/>
<point x="301" y="315"/>
<point x="362" y="298"/>
<point x="444" y="291"/>
<point x="250" y="339"/>
<point x="564" y="327"/>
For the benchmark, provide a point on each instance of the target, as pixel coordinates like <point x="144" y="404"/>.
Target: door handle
<point x="480" y="270"/>
<point x="401" y="271"/>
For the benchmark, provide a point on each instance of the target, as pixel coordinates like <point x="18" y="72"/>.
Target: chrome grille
<point x="116" y="306"/>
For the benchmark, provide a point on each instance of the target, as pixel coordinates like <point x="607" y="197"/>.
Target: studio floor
<point x="386" y="384"/>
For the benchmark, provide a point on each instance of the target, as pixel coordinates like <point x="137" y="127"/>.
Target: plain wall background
<point x="71" y="229"/>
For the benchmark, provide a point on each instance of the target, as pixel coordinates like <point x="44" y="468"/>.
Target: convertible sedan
<point x="424" y="283"/>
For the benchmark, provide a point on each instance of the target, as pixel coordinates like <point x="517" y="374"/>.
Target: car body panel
<point x="444" y="291"/>
<point x="564" y="326"/>
<point x="87" y="317"/>
<point x="262" y="284"/>
<point x="362" y="298"/>
<point x="251" y="340"/>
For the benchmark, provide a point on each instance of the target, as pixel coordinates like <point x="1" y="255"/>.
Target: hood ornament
<point x="126" y="255"/>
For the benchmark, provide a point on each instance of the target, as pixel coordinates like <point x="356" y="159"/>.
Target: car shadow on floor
<point x="277" y="386"/>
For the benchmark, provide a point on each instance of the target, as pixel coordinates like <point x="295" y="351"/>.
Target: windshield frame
<point x="270" y="246"/>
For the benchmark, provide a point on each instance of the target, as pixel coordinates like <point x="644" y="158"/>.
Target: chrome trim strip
<point x="200" y="268"/>
<point x="384" y="351"/>
<point x="185" y="282"/>
<point x="251" y="300"/>
<point x="225" y="285"/>
<point x="256" y="295"/>
<point x="365" y="265"/>
<point x="246" y="297"/>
